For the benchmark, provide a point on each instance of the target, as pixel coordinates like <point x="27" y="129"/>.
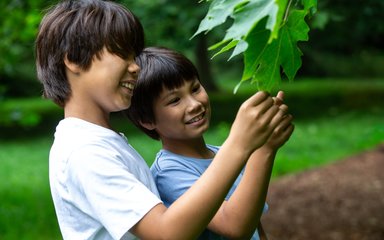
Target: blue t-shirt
<point x="174" y="174"/>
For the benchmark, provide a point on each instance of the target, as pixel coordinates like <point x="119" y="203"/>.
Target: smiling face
<point x="105" y="87"/>
<point x="182" y="113"/>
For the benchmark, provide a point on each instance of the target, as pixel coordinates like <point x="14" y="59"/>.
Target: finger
<point x="284" y="108"/>
<point x="280" y="95"/>
<point x="284" y="123"/>
<point x="257" y="98"/>
<point x="267" y="105"/>
<point x="287" y="132"/>
<point x="283" y="131"/>
<point x="278" y="117"/>
<point x="279" y="99"/>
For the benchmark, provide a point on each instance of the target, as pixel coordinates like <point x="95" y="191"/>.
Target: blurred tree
<point x="347" y="39"/>
<point x="18" y="25"/>
<point x="349" y="26"/>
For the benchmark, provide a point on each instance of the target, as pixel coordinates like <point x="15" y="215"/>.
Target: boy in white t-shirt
<point x="170" y="104"/>
<point x="101" y="187"/>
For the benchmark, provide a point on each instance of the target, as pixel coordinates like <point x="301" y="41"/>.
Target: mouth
<point x="196" y="119"/>
<point x="128" y="85"/>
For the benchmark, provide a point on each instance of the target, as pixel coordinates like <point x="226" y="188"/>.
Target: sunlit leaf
<point x="266" y="32"/>
<point x="264" y="62"/>
<point x="219" y="11"/>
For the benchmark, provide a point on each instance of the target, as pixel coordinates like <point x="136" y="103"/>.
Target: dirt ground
<point x="342" y="201"/>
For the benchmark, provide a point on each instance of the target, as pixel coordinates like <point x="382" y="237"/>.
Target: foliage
<point x="168" y="23"/>
<point x="17" y="31"/>
<point x="266" y="32"/>
<point x="25" y="113"/>
<point x="346" y="41"/>
<point x="19" y="21"/>
<point x="348" y="29"/>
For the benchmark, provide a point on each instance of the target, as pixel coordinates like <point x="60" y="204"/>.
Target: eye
<point x="196" y="88"/>
<point x="173" y="101"/>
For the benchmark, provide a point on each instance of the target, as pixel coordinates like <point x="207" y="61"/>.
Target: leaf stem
<point x="287" y="10"/>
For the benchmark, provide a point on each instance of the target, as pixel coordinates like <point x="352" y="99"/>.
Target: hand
<point x="279" y="99"/>
<point x="255" y="121"/>
<point x="284" y="130"/>
<point x="281" y="133"/>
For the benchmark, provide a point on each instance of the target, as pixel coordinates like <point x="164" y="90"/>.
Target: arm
<point x="263" y="235"/>
<point x="256" y="119"/>
<point x="238" y="217"/>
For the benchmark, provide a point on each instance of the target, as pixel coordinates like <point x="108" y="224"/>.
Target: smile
<point x="196" y="119"/>
<point x="128" y="85"/>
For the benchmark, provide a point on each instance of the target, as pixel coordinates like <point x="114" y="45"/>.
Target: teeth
<point x="130" y="86"/>
<point x="196" y="119"/>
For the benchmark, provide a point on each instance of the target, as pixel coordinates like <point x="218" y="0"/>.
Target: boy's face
<point x="182" y="113"/>
<point x="107" y="85"/>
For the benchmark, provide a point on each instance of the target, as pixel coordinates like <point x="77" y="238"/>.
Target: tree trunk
<point x="204" y="64"/>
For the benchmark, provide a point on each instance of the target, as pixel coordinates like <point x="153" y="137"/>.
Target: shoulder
<point x="168" y="163"/>
<point x="167" y="160"/>
<point x="213" y="148"/>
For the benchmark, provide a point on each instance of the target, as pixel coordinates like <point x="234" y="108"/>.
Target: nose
<point x="193" y="104"/>
<point x="134" y="68"/>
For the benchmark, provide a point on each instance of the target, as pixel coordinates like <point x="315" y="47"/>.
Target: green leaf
<point x="230" y="45"/>
<point x="258" y="40"/>
<point x="246" y="14"/>
<point x="218" y="12"/>
<point x="240" y="47"/>
<point x="266" y="32"/>
<point x="310" y="5"/>
<point x="263" y="61"/>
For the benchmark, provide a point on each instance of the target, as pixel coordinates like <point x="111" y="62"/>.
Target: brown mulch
<point x="341" y="201"/>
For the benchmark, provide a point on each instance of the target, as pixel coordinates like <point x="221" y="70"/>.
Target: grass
<point x="26" y="210"/>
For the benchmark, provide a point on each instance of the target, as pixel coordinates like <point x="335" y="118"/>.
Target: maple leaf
<point x="246" y="15"/>
<point x="266" y="31"/>
<point x="264" y="61"/>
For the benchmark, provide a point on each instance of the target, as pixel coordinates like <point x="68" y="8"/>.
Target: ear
<point x="73" y="67"/>
<point x="149" y="126"/>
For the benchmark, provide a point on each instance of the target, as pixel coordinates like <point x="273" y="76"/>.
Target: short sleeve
<point x="109" y="191"/>
<point x="172" y="182"/>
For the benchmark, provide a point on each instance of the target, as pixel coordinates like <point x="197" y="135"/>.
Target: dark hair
<point x="79" y="30"/>
<point x="160" y="68"/>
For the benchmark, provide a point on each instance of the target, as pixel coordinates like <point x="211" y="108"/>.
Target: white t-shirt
<point x="101" y="187"/>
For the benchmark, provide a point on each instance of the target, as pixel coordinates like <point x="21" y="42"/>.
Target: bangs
<point x="122" y="32"/>
<point x="98" y="24"/>
<point x="174" y="75"/>
<point x="164" y="70"/>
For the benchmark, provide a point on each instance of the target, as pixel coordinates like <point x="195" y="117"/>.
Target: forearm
<point x="189" y="215"/>
<point x="239" y="216"/>
<point x="263" y="235"/>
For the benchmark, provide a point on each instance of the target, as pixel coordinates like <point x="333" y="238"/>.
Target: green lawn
<point x="26" y="210"/>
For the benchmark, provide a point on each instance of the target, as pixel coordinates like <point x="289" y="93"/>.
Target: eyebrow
<point x="191" y="83"/>
<point x="168" y="94"/>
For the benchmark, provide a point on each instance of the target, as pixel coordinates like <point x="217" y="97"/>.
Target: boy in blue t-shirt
<point x="170" y="104"/>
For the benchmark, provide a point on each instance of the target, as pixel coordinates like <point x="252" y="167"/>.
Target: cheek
<point x="163" y="116"/>
<point x="205" y="101"/>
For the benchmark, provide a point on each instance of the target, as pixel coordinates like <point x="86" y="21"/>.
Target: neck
<point x="101" y="119"/>
<point x="195" y="148"/>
